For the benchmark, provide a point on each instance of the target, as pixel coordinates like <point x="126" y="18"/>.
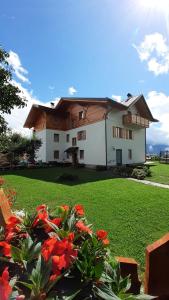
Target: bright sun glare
<point x="158" y="5"/>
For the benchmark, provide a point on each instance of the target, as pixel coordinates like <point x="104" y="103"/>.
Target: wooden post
<point x="157" y="268"/>
<point x="128" y="266"/>
<point x="5" y="210"/>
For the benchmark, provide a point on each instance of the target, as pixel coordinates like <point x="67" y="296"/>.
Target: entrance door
<point x="118" y="157"/>
<point x="74" y="158"/>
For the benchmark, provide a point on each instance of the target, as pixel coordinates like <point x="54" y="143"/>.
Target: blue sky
<point x="87" y="45"/>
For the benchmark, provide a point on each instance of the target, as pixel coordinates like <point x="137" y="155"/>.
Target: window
<point x="81" y="115"/>
<point x="67" y="155"/>
<point x="56" y="154"/>
<point x="122" y="133"/>
<point x="81" y="154"/>
<point x="81" y="135"/>
<point x="67" y="138"/>
<point x="56" y="137"/>
<point x="129" y="154"/>
<point x="130" y="135"/>
<point x="73" y="141"/>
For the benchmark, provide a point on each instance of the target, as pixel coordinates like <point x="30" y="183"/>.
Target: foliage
<point x="57" y="255"/>
<point x="10" y="94"/>
<point x="17" y="145"/>
<point x="138" y="174"/>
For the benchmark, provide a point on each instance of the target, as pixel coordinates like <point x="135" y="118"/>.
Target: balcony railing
<point x="134" y="120"/>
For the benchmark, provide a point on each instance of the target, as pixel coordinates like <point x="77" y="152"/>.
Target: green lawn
<point x="160" y="173"/>
<point x="134" y="214"/>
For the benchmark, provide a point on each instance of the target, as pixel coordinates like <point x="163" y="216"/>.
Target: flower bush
<point x="56" y="255"/>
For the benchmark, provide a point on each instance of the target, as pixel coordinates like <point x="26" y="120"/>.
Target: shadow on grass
<point x="51" y="174"/>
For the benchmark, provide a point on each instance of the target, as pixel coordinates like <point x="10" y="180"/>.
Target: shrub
<point x="67" y="177"/>
<point x="138" y="174"/>
<point x="100" y="168"/>
<point x="56" y="255"/>
<point x="147" y="171"/>
<point x="123" y="171"/>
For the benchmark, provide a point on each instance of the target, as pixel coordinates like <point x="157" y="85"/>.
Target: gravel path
<point x="164" y="186"/>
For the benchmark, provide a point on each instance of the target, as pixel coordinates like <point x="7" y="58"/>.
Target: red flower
<point x="48" y="248"/>
<point x="82" y="227"/>
<point x="5" y="288"/>
<point x="79" y="210"/>
<point x="55" y="276"/>
<point x="101" y="234"/>
<point x="42" y="216"/>
<point x="65" y="207"/>
<point x="41" y="207"/>
<point x="12" y="227"/>
<point x="58" y="262"/>
<point x="71" y="236"/>
<point x="56" y="221"/>
<point x="6" y="248"/>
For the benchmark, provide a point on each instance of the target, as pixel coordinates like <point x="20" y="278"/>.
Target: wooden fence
<point x="156" y="279"/>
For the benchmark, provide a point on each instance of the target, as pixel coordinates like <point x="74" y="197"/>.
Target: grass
<point x="134" y="214"/>
<point x="160" y="173"/>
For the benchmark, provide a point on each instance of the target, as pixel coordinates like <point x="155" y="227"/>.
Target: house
<point x="93" y="131"/>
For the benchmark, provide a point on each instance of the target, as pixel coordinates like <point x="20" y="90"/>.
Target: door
<point x="118" y="157"/>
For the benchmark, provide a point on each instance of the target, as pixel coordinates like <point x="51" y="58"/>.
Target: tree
<point x="17" y="145"/>
<point x="10" y="95"/>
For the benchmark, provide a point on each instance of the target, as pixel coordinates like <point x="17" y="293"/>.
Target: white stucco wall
<point x="41" y="153"/>
<point x="137" y="144"/>
<point x="93" y="146"/>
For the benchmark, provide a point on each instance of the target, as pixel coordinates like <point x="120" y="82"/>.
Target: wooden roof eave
<point x="141" y="97"/>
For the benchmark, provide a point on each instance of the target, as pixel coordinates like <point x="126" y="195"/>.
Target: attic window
<point x="81" y="115"/>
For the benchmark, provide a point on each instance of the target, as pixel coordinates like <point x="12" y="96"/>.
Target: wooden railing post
<point x="128" y="266"/>
<point x="157" y="268"/>
<point x="5" y="210"/>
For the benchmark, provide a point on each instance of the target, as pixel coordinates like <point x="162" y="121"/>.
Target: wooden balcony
<point x="134" y="120"/>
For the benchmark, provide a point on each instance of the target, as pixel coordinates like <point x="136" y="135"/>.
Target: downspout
<point x="105" y="118"/>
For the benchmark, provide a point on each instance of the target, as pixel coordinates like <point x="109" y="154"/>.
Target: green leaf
<point x="104" y="292"/>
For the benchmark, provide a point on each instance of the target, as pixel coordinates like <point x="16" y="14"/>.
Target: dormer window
<point x="81" y="115"/>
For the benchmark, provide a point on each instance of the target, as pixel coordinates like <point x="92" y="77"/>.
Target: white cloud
<point x="158" y="133"/>
<point x="155" y="51"/>
<point x="19" y="70"/>
<point x="117" y="98"/>
<point x="18" y="116"/>
<point x="72" y="90"/>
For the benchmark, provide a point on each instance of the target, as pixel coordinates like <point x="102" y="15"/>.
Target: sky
<point x="89" y="48"/>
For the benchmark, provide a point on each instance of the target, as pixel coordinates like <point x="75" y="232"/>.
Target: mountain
<point x="155" y="149"/>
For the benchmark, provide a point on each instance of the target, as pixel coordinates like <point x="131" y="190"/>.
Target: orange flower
<point x="101" y="234"/>
<point x="79" y="209"/>
<point x="5" y="288"/>
<point x="82" y="227"/>
<point x="106" y="242"/>
<point x="6" y="248"/>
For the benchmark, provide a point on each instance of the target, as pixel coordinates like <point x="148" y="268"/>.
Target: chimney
<point x="52" y="104"/>
<point x="129" y="95"/>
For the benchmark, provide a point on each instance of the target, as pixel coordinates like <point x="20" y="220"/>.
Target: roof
<point x="37" y="109"/>
<point x="141" y="105"/>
